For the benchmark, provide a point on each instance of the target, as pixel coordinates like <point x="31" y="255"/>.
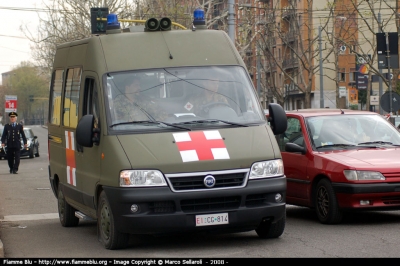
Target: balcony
<point x="288" y="12"/>
<point x="271" y="42"/>
<point x="265" y="19"/>
<point x="270" y="66"/>
<point x="290" y="63"/>
<point x="289" y="36"/>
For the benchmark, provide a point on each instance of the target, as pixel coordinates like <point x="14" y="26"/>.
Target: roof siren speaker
<point x="165" y="24"/>
<point x="152" y="24"/>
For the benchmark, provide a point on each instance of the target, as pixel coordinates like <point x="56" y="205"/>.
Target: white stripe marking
<point x="72" y="140"/>
<point x="66" y="140"/>
<point x="214" y="134"/>
<point x="189" y="156"/>
<point x="30" y="217"/>
<point x="180" y="137"/>
<point x="220" y="153"/>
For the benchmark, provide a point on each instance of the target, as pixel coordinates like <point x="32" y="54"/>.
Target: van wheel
<point x="109" y="236"/>
<point x="66" y="212"/>
<point x="267" y="229"/>
<point x="326" y="204"/>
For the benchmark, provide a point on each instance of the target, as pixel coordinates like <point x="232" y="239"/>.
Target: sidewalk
<point x="1" y="243"/>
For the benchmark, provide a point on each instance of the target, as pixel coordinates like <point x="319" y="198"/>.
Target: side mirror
<point x="84" y="131"/>
<point x="35" y="137"/>
<point x="277" y="118"/>
<point x="292" y="147"/>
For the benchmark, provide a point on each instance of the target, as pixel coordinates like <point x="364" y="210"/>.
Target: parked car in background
<point x="340" y="160"/>
<point x="30" y="151"/>
<point x="33" y="144"/>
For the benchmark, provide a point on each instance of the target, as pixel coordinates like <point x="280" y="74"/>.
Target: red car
<point x="340" y="160"/>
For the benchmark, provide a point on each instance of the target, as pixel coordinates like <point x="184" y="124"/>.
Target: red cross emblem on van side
<point x="70" y="157"/>
<point x="201" y="146"/>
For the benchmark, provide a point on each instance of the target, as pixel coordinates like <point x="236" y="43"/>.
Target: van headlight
<point x="266" y="169"/>
<point x="353" y="175"/>
<point x="141" y="178"/>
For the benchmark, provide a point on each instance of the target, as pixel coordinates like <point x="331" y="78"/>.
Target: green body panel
<point x="245" y="146"/>
<point x="143" y="50"/>
<point x="138" y="46"/>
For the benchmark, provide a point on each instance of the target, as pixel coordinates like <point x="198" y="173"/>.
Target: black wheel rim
<point x="61" y="205"/>
<point x="105" y="221"/>
<point x="323" y="201"/>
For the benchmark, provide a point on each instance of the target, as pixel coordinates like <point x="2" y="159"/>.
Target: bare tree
<point x="26" y="80"/>
<point x="287" y="44"/>
<point x="67" y="20"/>
<point x="355" y="26"/>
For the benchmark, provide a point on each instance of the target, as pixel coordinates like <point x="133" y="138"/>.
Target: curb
<point x="1" y="250"/>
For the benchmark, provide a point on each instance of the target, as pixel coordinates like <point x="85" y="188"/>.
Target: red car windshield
<point x="351" y="130"/>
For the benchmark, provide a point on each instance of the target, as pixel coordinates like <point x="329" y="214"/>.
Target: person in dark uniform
<point x="12" y="135"/>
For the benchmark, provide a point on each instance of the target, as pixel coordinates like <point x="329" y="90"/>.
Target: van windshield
<point x="181" y="96"/>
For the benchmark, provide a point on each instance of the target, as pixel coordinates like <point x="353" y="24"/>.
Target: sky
<point x="14" y="47"/>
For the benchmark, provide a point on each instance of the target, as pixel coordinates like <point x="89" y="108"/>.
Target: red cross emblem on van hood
<point x="201" y="146"/>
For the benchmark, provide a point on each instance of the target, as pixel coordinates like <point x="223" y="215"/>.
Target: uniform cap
<point x="13" y="114"/>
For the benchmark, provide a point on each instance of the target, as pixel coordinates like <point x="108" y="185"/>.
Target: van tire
<point x="326" y="205"/>
<point x="66" y="212"/>
<point x="267" y="229"/>
<point x="108" y="234"/>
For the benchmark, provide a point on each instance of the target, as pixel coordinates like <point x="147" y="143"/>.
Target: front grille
<point x="184" y="183"/>
<point x="391" y="200"/>
<point x="212" y="204"/>
<point x="256" y="200"/>
<point x="162" y="207"/>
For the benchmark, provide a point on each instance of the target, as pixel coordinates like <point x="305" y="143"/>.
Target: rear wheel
<point x="326" y="204"/>
<point x="66" y="212"/>
<point x="267" y="229"/>
<point x="108" y="234"/>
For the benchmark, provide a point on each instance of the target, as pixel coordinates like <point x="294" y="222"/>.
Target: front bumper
<point x="381" y="196"/>
<point x="25" y="151"/>
<point x="3" y="153"/>
<point x="164" y="211"/>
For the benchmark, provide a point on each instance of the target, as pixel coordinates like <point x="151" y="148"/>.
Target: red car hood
<point x="378" y="158"/>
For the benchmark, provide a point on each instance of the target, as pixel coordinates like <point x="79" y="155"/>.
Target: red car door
<point x="295" y="163"/>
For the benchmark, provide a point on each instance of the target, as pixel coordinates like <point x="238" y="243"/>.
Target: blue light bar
<point x="198" y="17"/>
<point x="112" y="22"/>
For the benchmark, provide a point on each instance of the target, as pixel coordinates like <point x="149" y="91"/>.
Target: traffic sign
<point x="374" y="100"/>
<point x="11" y="103"/>
<point x="385" y="102"/>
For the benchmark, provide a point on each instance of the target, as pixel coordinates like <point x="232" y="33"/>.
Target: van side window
<point x="55" y="95"/>
<point x="292" y="134"/>
<point x="91" y="102"/>
<point x="71" y="97"/>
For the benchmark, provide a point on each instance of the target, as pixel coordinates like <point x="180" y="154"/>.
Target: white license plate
<point x="212" y="219"/>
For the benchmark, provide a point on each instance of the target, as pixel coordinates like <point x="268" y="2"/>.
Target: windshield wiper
<point x="148" y="122"/>
<point x="174" y="125"/>
<point x="133" y="122"/>
<point x="211" y="121"/>
<point x="336" y="145"/>
<point x="377" y="142"/>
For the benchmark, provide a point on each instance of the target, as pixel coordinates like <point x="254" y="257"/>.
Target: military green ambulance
<point x="153" y="131"/>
